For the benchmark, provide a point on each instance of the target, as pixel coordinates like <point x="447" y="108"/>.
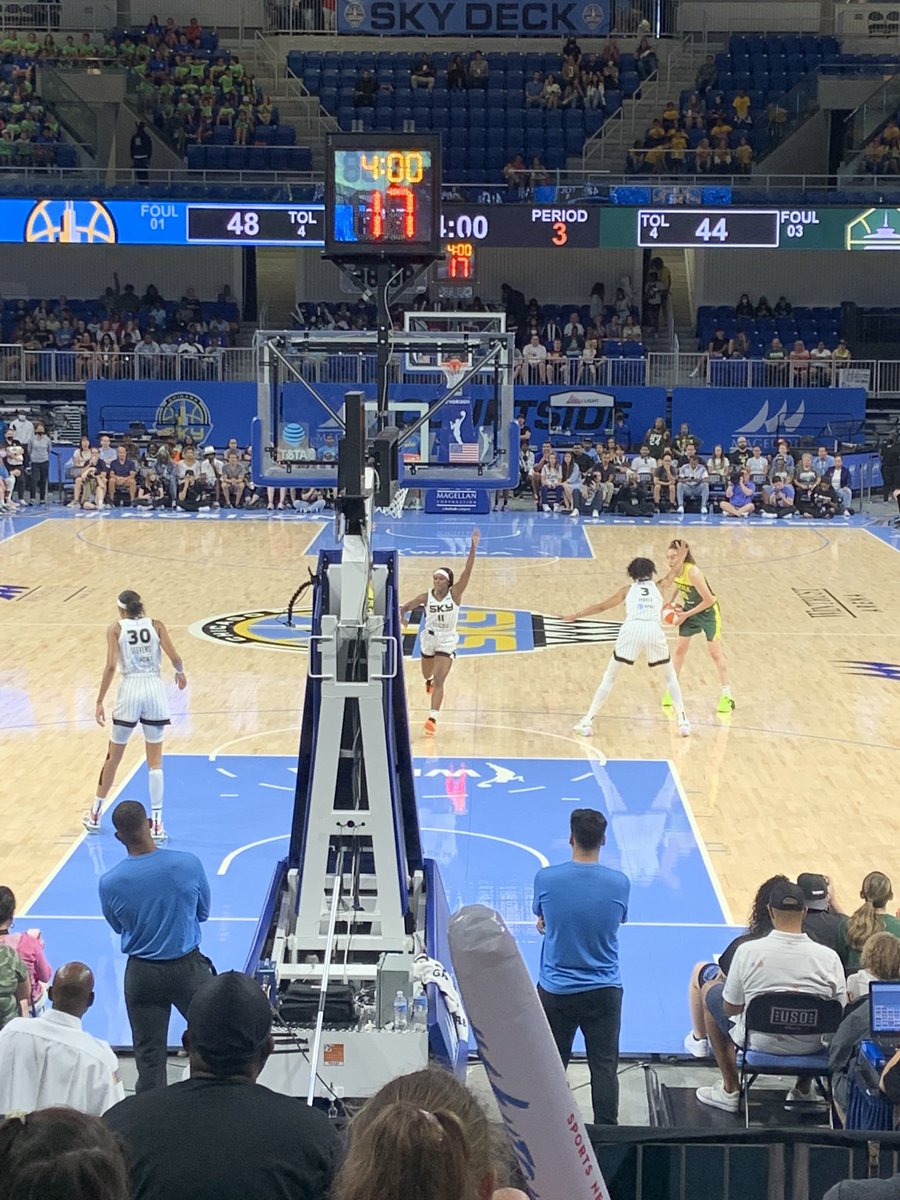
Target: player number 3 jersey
<point x="139" y="650"/>
<point x="644" y="602"/>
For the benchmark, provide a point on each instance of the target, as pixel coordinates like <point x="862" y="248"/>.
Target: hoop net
<point x="395" y="508"/>
<point x="453" y="369"/>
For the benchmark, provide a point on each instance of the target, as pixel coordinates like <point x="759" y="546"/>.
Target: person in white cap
<point x="135" y="644"/>
<point x="211" y="472"/>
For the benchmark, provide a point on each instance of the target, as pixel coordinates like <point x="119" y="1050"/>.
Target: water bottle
<point x="401" y="1013"/>
<point x="420" y="1013"/>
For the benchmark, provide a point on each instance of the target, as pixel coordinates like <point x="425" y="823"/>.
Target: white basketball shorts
<point x="641" y="637"/>
<point x="141" y="699"/>
<point x="434" y="642"/>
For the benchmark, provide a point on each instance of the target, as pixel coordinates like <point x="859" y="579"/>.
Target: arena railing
<point x="68" y="369"/>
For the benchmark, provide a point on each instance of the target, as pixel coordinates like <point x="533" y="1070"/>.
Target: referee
<point x="156" y="899"/>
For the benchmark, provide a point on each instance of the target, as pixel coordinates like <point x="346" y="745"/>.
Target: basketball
<point x="670" y="614"/>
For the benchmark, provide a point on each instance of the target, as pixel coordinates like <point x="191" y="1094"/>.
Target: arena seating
<point x="808" y="325"/>
<point x="482" y="129"/>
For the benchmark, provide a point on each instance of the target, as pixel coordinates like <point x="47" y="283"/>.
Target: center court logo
<point x="481" y="631"/>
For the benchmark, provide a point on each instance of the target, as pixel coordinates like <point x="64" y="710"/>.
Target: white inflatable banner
<point x="521" y="1060"/>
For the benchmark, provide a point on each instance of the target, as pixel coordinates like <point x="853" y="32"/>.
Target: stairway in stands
<point x="678" y="63"/>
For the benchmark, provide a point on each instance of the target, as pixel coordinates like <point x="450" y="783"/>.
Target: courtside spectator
<point x="785" y="960"/>
<point x="61" y="1154"/>
<point x="30" y="948"/>
<point x="579" y="907"/>
<point x="823" y="917"/>
<point x="693" y="480"/>
<point x="871" y="917"/>
<point x="739" y="497"/>
<point x="422" y="1134"/>
<point x="665" y="482"/>
<point x="50" y="1060"/>
<point x="705" y="974"/>
<point x="839" y="478"/>
<point x="778" y="500"/>
<point x="220" y="1134"/>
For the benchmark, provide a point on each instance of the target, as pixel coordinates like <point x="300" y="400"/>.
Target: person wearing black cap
<point x="823" y="919"/>
<point x="220" y="1134"/>
<point x="785" y="960"/>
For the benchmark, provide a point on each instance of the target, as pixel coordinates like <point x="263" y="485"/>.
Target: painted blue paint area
<point x="10" y="526"/>
<point x="889" y="534"/>
<point x="490" y="824"/>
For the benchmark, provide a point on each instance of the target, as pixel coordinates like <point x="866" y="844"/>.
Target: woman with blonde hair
<point x="422" y="1137"/>
<point x="854" y="931"/>
<point x="879" y="960"/>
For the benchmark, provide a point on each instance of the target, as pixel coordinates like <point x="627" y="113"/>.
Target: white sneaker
<point x="705" y="512"/>
<point x="681" y="508"/>
<point x="696" y="1047"/>
<point x="545" y="507"/>
<point x="715" y="1096"/>
<point x="795" y="1096"/>
<point x="584" y="728"/>
<point x="684" y="728"/>
<point x="91" y="822"/>
<point x="158" y="834"/>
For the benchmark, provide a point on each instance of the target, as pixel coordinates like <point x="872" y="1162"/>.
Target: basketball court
<point x="797" y="778"/>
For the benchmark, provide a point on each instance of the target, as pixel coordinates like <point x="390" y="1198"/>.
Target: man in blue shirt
<point x="580" y="906"/>
<point x="156" y="899"/>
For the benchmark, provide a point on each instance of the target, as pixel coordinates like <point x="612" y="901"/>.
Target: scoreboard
<point x="378" y="217"/>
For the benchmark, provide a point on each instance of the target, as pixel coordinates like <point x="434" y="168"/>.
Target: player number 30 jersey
<point x="139" y="649"/>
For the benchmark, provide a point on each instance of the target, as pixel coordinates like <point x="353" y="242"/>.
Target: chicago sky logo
<point x="872" y="670"/>
<point x="778" y="422"/>
<point x="481" y="631"/>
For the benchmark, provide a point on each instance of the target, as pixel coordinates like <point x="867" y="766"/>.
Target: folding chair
<point x="790" y="1014"/>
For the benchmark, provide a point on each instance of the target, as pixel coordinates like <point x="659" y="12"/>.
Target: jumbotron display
<point x="382" y="195"/>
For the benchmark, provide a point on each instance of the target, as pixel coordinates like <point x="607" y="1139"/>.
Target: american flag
<point x="467" y="452"/>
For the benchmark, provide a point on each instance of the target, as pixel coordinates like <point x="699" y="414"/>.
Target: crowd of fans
<point x="122" y="334"/>
<point x="659" y="473"/>
<point x="29" y="132"/>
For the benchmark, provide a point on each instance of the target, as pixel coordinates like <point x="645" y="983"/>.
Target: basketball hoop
<point x="454" y="369"/>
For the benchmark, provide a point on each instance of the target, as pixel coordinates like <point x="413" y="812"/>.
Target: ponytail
<point x="131" y="603"/>
<point x="876" y="891"/>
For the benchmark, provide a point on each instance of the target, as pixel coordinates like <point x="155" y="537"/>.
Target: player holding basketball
<point x="135" y="644"/>
<point x="698" y="613"/>
<point x="438" y="639"/>
<point x="641" y="632"/>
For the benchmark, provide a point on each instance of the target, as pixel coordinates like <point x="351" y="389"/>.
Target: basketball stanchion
<point x="521" y="1060"/>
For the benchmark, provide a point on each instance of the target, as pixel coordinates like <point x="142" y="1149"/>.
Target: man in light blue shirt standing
<point x="580" y="906"/>
<point x="156" y="899"/>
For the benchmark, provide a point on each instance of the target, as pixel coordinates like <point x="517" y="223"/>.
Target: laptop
<point x="884" y="1016"/>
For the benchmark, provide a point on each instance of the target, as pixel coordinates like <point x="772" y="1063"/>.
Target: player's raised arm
<point x="463" y="582"/>
<point x="612" y="601"/>
<point x="109" y="671"/>
<point x="168" y="648"/>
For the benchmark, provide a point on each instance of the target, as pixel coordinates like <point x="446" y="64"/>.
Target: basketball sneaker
<point x="584" y="728"/>
<point x="91" y="822"/>
<point x="157" y="832"/>
<point x="667" y="701"/>
<point x="684" y="728"/>
<point x="431" y="726"/>
<point x="725" y="705"/>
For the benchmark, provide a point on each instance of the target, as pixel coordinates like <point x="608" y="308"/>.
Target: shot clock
<point x="382" y="196"/>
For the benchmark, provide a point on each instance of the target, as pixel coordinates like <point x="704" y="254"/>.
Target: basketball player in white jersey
<point x="438" y="639"/>
<point x="641" y="633"/>
<point x="135" y="644"/>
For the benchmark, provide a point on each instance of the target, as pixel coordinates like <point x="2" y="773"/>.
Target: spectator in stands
<point x="782" y="464"/>
<point x="422" y="1134"/>
<point x="594" y="90"/>
<point x="718" y="467"/>
<point x="763" y="309"/>
<point x="785" y="960"/>
<point x="799" y="365"/>
<point x="775" y="359"/>
<point x="631" y="331"/>
<point x="516" y="175"/>
<point x="94" y="481"/>
<point x="643" y="468"/>
<point x="571" y="483"/>
<point x="61" y="1154"/>
<point x="276" y="1144"/>
<point x="551" y="93"/>
<point x="636" y="158"/>
<point x="740" y="497"/>
<point x="39" y="453"/>
<point x="665" y="483"/>
<point x="657" y="438"/>
<point x="740" y="107"/>
<point x="721" y="157"/>
<point x="823" y="917"/>
<point x="52" y="1061"/>
<point x="744" y="307"/>
<point x="783" y="307"/>
<point x="805" y="478"/>
<point x="457" y="75"/>
<point x="823" y="461"/>
<point x="876" y="893"/>
<point x="478" y="71"/>
<point x="778" y="500"/>
<point x="611" y="52"/>
<point x="820" y="366"/>
<point x="30" y="948"/>
<point x="551" y="483"/>
<point x="842" y="355"/>
<point x="758" y="466"/>
<point x="646" y="62"/>
<point x="557" y="364"/>
<point x="622" y="430"/>
<point x="703" y="157"/>
<point x="590" y="362"/>
<point x="422" y="74"/>
<point x="534" y="90"/>
<point x="823" y="499"/>
<point x="14" y="989"/>
<point x="693" y="480"/>
<point x="571" y="49"/>
<point x="365" y="90"/>
<point x="704" y="974"/>
<point x="707" y="77"/>
<point x="879" y="961"/>
<point x="141" y="150"/>
<point x="743" y="154"/>
<point x="839" y="479"/>
<point x="122" y="478"/>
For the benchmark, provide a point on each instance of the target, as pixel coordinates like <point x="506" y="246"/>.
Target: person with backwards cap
<point x="786" y="960"/>
<point x="220" y="1134"/>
